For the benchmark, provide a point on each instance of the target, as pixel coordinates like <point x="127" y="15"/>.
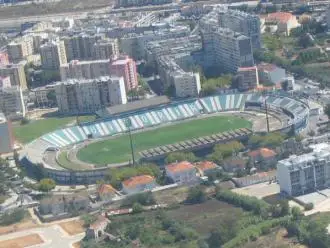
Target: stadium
<point x="82" y="154"/>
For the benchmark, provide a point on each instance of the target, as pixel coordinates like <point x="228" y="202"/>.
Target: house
<point x="106" y="192"/>
<point x="284" y="21"/>
<point x="61" y="204"/>
<point x="234" y="164"/>
<point x="264" y="157"/>
<point x="270" y="73"/>
<point x="182" y="172"/>
<point x="138" y="184"/>
<point x="97" y="228"/>
<point x="206" y="168"/>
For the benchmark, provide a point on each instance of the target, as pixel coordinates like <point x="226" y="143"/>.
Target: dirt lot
<point x="73" y="227"/>
<point x="207" y="216"/>
<point x="171" y="196"/>
<point x="275" y="239"/>
<point x="25" y="224"/>
<point x="259" y="190"/>
<point x="25" y="241"/>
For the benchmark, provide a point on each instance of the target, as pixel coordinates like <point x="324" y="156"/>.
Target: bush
<point x="196" y="195"/>
<point x="309" y="206"/>
<point x="88" y="219"/>
<point x="137" y="208"/>
<point x="13" y="217"/>
<point x="145" y="199"/>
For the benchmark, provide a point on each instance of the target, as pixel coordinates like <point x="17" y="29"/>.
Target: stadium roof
<point x="133" y="106"/>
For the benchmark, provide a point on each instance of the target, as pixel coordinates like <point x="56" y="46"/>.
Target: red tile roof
<point x="105" y="188"/>
<point x="99" y="221"/>
<point x="178" y="167"/>
<point x="264" y="152"/>
<point x="138" y="180"/>
<point x="206" y="165"/>
<point x="282" y="17"/>
<point x="252" y="68"/>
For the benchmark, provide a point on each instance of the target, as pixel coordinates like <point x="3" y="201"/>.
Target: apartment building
<point x="247" y="78"/>
<point x="187" y="84"/>
<point x="85" y="69"/>
<point x="53" y="55"/>
<point x="5" y="82"/>
<point x="105" y="49"/>
<point x="16" y="73"/>
<point x="6" y="134"/>
<point x="301" y="174"/>
<point x="271" y="73"/>
<point x="87" y="96"/>
<point x="80" y="46"/>
<point x="4" y="58"/>
<point x="125" y="67"/>
<point x="226" y="49"/>
<point x="12" y="102"/>
<point x="20" y="48"/>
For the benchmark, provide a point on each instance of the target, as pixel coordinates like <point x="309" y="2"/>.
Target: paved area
<point x="260" y="190"/>
<point x="53" y="236"/>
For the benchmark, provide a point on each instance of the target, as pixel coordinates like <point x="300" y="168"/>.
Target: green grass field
<point x="36" y="128"/>
<point x="66" y="163"/>
<point x="117" y="150"/>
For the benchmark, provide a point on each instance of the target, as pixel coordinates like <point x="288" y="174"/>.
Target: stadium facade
<point x="33" y="156"/>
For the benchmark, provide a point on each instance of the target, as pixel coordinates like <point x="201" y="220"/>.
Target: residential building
<point x="89" y="95"/>
<point x="6" y="134"/>
<point x="125" y="67"/>
<point x="234" y="164"/>
<point x="38" y="40"/>
<point x="97" y="229"/>
<point x="85" y="69"/>
<point x="106" y="192"/>
<point x="138" y="184"/>
<point x="187" y="84"/>
<point x="4" y="58"/>
<point x="284" y="21"/>
<point x="226" y="49"/>
<point x="16" y="73"/>
<point x="12" y="102"/>
<point x="80" y="46"/>
<point x="182" y="172"/>
<point x="53" y="55"/>
<point x="130" y="3"/>
<point x="247" y="78"/>
<point x="263" y="157"/>
<point x="62" y="204"/>
<point x="5" y="82"/>
<point x="302" y="174"/>
<point x="206" y="168"/>
<point x="41" y="95"/>
<point x="19" y="49"/>
<point x="270" y="73"/>
<point x="292" y="146"/>
<point x="328" y="17"/>
<point x="105" y="49"/>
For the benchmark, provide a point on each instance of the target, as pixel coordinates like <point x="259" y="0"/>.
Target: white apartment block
<point x="87" y="96"/>
<point x="85" y="69"/>
<point x="12" y="102"/>
<point x="187" y="84"/>
<point x="53" y="55"/>
<point x="301" y="174"/>
<point x="20" y="48"/>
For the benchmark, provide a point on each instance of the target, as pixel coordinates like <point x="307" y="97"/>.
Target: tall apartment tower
<point x="16" y="73"/>
<point x="20" y="48"/>
<point x="105" y="49"/>
<point x="125" y="67"/>
<point x="53" y="55"/>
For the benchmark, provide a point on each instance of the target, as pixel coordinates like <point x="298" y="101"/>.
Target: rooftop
<point x="280" y="16"/>
<point x="251" y="68"/>
<point x="105" y="188"/>
<point x="98" y="222"/>
<point x="206" y="165"/>
<point x="267" y="67"/>
<point x="138" y="180"/>
<point x="179" y="167"/>
<point x="264" y="152"/>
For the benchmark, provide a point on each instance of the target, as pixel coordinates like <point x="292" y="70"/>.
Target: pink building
<point x="4" y="58"/>
<point x="5" y="82"/>
<point x="125" y="67"/>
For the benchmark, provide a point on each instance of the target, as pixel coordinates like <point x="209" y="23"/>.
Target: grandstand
<point x="167" y="113"/>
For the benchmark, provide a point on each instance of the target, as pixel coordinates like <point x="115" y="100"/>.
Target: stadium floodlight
<point x="128" y="124"/>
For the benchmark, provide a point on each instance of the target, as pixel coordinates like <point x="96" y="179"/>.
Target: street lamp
<point x="128" y="124"/>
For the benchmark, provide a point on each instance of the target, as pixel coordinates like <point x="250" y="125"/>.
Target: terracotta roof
<point x="105" y="188"/>
<point x="99" y="221"/>
<point x="264" y="152"/>
<point x="282" y="17"/>
<point x="206" y="165"/>
<point x="267" y="67"/>
<point x="137" y="180"/>
<point x="252" y="68"/>
<point x="178" y="167"/>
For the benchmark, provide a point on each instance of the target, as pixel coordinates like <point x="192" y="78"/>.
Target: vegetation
<point x="88" y="219"/>
<point x="116" y="175"/>
<point x="15" y="216"/>
<point x="46" y="184"/>
<point x="269" y="140"/>
<point x="117" y="150"/>
<point x="210" y="86"/>
<point x="143" y="199"/>
<point x="327" y="110"/>
<point x="180" y="156"/>
<point x="196" y="195"/>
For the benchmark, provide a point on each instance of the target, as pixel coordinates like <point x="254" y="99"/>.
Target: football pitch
<point x="117" y="149"/>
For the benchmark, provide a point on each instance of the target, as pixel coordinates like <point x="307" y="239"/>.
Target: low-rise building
<point x="182" y="172"/>
<point x="97" y="228"/>
<point x="138" y="184"/>
<point x="106" y="192"/>
<point x="284" y="21"/>
<point x="270" y="73"/>
<point x="263" y="157"/>
<point x="206" y="168"/>
<point x="302" y="174"/>
<point x="61" y="204"/>
<point x="234" y="164"/>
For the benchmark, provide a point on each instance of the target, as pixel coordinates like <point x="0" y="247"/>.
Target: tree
<point x="46" y="184"/>
<point x="296" y="213"/>
<point x="305" y="41"/>
<point x="88" y="219"/>
<point x="327" y="110"/>
<point x="196" y="195"/>
<point x="227" y="149"/>
<point x="24" y="121"/>
<point x="215" y="239"/>
<point x="137" y="208"/>
<point x="285" y="85"/>
<point x="180" y="156"/>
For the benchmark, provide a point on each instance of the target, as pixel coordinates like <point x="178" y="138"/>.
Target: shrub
<point x="13" y="217"/>
<point x="309" y="206"/>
